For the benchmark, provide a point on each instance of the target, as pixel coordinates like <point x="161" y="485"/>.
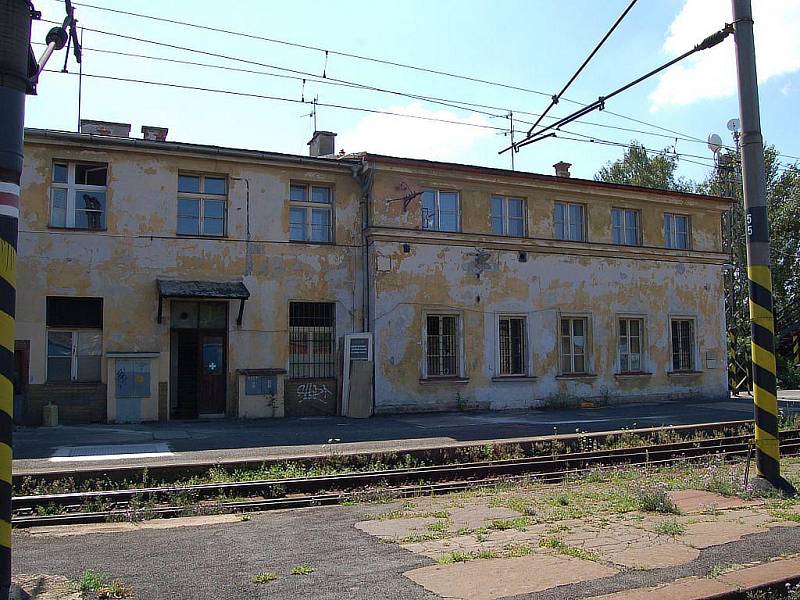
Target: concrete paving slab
<point x="46" y="587"/>
<point x="775" y="570"/>
<point x="699" y="501"/>
<point x="396" y="529"/>
<point x="487" y="579"/>
<point x="689" y="588"/>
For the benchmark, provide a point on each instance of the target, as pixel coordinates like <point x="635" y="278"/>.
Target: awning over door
<point x="221" y="290"/>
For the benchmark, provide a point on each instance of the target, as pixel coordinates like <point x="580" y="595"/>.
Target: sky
<point x="529" y="47"/>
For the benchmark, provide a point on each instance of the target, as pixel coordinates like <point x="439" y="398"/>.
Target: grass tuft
<point x="304" y="569"/>
<point x="265" y="577"/>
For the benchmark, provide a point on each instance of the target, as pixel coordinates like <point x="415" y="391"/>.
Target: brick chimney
<point x="322" y="144"/>
<point x="105" y="128"/>
<point x="562" y="168"/>
<point x="156" y="134"/>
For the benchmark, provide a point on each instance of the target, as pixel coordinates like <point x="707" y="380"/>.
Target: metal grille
<point x="512" y="346"/>
<point x="682" y="345"/>
<point x="443" y="346"/>
<point x="311" y="340"/>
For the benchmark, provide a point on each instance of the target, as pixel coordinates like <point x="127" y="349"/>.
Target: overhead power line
<point x="599" y="104"/>
<point x="554" y="100"/>
<point x="329" y="51"/>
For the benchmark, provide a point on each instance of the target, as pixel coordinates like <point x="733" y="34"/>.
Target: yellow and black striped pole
<point x="15" y="83"/>
<point x="796" y="348"/>
<point x="762" y="322"/>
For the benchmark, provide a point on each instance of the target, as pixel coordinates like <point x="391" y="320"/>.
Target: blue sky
<point x="535" y="44"/>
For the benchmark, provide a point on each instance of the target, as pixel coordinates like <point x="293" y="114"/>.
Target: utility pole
<point x="762" y="322"/>
<point x="16" y="64"/>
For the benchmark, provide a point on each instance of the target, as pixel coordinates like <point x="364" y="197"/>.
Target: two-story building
<point x="162" y="280"/>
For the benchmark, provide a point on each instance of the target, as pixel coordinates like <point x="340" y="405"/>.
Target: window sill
<point x="196" y="236"/>
<point x="632" y="375"/>
<point x="308" y="242"/>
<point x="512" y="378"/>
<point x="84" y="229"/>
<point x="577" y="376"/>
<point x="75" y="383"/>
<point x="684" y="373"/>
<point x="431" y="380"/>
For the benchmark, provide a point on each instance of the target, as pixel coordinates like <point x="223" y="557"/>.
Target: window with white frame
<point x="74" y="339"/>
<point x="625" y="226"/>
<point x="676" y="231"/>
<point x="440" y="210"/>
<point x="513" y="345"/>
<point x="202" y="204"/>
<point x="570" y="221"/>
<point x="508" y="216"/>
<point x="310" y="213"/>
<point x="631" y="331"/>
<point x="573" y="345"/>
<point x="443" y="345"/>
<point x="78" y="195"/>
<point x="682" y="345"/>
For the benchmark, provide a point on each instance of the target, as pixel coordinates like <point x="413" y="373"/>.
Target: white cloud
<point x="786" y="88"/>
<point x="415" y="138"/>
<point x="712" y="73"/>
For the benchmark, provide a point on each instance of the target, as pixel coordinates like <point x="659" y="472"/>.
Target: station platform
<point x="89" y="447"/>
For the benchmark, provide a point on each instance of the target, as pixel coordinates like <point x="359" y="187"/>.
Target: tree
<point x="638" y="167"/>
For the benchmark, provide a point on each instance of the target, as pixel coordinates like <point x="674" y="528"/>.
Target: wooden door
<point x="188" y="374"/>
<point x="212" y="374"/>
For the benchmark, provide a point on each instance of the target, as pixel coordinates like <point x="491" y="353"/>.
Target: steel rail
<point x="470" y="474"/>
<point x="333" y="498"/>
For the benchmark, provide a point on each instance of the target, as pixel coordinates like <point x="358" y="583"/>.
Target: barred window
<point x="311" y="340"/>
<point x="630" y="345"/>
<point x="443" y="345"/>
<point x="513" y="354"/>
<point x="682" y="345"/>
<point x="573" y="345"/>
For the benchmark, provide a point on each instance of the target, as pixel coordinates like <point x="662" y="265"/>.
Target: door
<point x="187" y="375"/>
<point x="212" y="374"/>
<point x="22" y="359"/>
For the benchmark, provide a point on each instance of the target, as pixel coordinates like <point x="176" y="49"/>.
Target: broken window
<point x="573" y="345"/>
<point x="443" y="345"/>
<point x="676" y="231"/>
<point x="74" y="339"/>
<point x="202" y="203"/>
<point x="312" y="336"/>
<point x="78" y="195"/>
<point x="625" y="226"/>
<point x="513" y="353"/>
<point x="440" y="210"/>
<point x="508" y="216"/>
<point x="569" y="221"/>
<point x="630" y="345"/>
<point x="310" y="213"/>
<point x="682" y="345"/>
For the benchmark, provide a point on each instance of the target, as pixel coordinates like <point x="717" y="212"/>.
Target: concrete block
<point x="50" y="415"/>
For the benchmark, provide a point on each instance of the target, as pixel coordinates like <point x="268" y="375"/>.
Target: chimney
<point x="156" y="134"/>
<point x="562" y="168"/>
<point x="105" y="128"/>
<point x="322" y="144"/>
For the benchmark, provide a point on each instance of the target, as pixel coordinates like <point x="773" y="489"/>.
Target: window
<point x="630" y="345"/>
<point x="74" y="339"/>
<point x="682" y="345"/>
<point x="311" y="339"/>
<point x="440" y="210"/>
<point x="78" y="195"/>
<point x="573" y="345"/>
<point x="513" y="346"/>
<point x="442" y="345"/>
<point x="508" y="216"/>
<point x="569" y="220"/>
<point x="625" y="226"/>
<point x="202" y="201"/>
<point x="676" y="231"/>
<point x="310" y="213"/>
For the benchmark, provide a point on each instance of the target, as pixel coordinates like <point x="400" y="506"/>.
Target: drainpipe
<point x="364" y="175"/>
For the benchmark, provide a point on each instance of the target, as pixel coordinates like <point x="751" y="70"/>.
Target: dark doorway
<point x="22" y="361"/>
<point x="199" y="340"/>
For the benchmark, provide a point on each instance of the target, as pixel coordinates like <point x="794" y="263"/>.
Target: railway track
<point x="178" y="500"/>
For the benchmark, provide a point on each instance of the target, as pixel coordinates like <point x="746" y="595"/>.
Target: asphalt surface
<point x="243" y="438"/>
<point x="219" y="561"/>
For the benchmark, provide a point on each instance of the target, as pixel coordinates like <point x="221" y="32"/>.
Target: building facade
<point x="160" y="280"/>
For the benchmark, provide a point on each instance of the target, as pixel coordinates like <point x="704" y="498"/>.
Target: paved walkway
<point x="38" y="449"/>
